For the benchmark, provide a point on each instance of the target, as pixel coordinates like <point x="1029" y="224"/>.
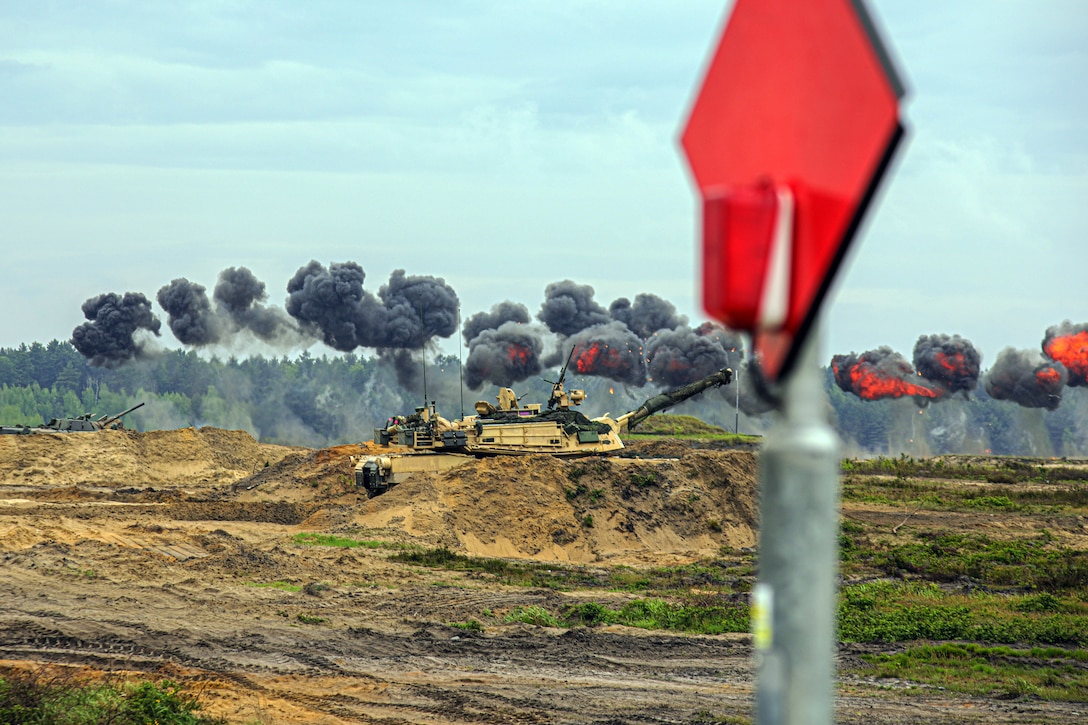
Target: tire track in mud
<point x="441" y="672"/>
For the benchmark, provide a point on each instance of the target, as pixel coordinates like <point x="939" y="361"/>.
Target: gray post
<point x="794" y="601"/>
<point x="736" y="381"/>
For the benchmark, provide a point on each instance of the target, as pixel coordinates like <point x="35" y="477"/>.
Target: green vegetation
<point x="705" y="614"/>
<point x="34" y="697"/>
<point x="885" y="611"/>
<point x="1001" y="470"/>
<point x="1047" y="673"/>
<point x="1031" y="563"/>
<point x="1053" y="496"/>
<point x="535" y="615"/>
<point x="472" y="625"/>
<point x="676" y="579"/>
<point x="282" y="586"/>
<point x="309" y="618"/>
<point x="309" y="538"/>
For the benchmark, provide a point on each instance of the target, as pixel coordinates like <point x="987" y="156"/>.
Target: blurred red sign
<point x="793" y="127"/>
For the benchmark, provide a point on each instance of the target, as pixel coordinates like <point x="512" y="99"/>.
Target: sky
<point x="504" y="146"/>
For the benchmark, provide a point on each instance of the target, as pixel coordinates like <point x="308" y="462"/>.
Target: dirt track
<point x="171" y="553"/>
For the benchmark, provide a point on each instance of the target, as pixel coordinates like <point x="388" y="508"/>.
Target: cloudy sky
<point x="507" y="145"/>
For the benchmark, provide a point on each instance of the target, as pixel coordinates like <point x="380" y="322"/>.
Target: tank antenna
<point x="423" y="352"/>
<point x="460" y="365"/>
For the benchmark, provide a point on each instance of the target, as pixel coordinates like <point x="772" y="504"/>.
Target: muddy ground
<point x="172" y="554"/>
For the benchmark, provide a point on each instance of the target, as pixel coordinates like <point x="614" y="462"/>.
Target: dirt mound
<point x="331" y="469"/>
<point x="186" y="456"/>
<point x="613" y="509"/>
<point x="666" y="502"/>
<point x="660" y="448"/>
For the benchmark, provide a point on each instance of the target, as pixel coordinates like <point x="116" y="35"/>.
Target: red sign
<point x="793" y="127"/>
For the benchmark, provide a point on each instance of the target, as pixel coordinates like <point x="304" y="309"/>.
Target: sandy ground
<point x="171" y="554"/>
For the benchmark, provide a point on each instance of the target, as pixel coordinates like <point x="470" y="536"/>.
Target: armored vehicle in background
<point x="426" y="442"/>
<point x="83" y="423"/>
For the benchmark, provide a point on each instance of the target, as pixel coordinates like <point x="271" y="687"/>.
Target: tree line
<point x="328" y="400"/>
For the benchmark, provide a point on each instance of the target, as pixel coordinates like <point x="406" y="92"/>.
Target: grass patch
<point x="663" y="425"/>
<point x="533" y="614"/>
<point x="472" y="625"/>
<point x="702" y="614"/>
<point x="1047" y="673"/>
<point x="876" y="612"/>
<point x="282" y="586"/>
<point x="33" y="697"/>
<point x="1022" y="563"/>
<point x="309" y="538"/>
<point x="1011" y="470"/>
<point x="939" y="496"/>
<point x="715" y="574"/>
<point x="888" y="612"/>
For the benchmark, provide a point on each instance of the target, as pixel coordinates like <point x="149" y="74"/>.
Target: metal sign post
<point x="795" y="596"/>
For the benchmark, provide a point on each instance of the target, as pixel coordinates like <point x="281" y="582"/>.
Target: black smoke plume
<point x="681" y="356"/>
<point x="332" y="303"/>
<point x="569" y="308"/>
<point x="647" y="315"/>
<point x="503" y="356"/>
<point x="403" y="297"/>
<point x="408" y="312"/>
<point x="499" y="314"/>
<point x="407" y="364"/>
<point x="950" y="361"/>
<point x="240" y="295"/>
<point x="1026" y="379"/>
<point x="108" y="339"/>
<point x="189" y="314"/>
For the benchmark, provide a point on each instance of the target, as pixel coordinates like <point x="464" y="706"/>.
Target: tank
<point x="83" y="423"/>
<point x="508" y="428"/>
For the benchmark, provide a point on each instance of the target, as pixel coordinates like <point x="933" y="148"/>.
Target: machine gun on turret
<point x="560" y="398"/>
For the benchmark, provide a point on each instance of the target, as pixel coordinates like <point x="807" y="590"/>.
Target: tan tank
<point x="426" y="442"/>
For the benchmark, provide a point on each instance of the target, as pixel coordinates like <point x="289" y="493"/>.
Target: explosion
<point x="878" y="374"/>
<point x="950" y="364"/>
<point x="1068" y="344"/>
<point x="950" y="361"/>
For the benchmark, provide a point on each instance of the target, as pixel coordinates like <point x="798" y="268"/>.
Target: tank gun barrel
<point x="669" y="398"/>
<point x="107" y="421"/>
